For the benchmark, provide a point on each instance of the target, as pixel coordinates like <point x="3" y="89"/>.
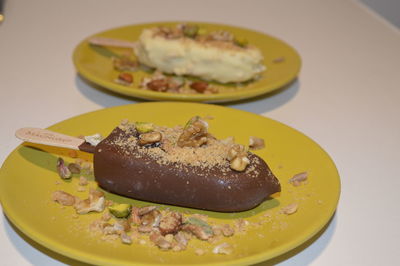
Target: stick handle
<point x="111" y="42"/>
<point x="47" y="137"/>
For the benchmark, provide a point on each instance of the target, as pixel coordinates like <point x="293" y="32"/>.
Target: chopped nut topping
<point x="236" y="150"/>
<point x="197" y="230"/>
<point x="135" y="218"/>
<point x="201" y="229"/>
<point x="297" y="179"/>
<point x="144" y="127"/>
<point x="151" y="218"/>
<point x="227" y="230"/>
<point x="94" y="203"/>
<point x="170" y="223"/>
<point x="189" y="31"/>
<point x="239" y="163"/>
<point x="194" y="134"/>
<point x="74" y="168"/>
<point x="63" y="198"/>
<point x="124" y="79"/>
<point x="221" y="35"/>
<point x="148" y="138"/>
<point x="125" y="238"/>
<point x="199" y="86"/>
<point x="237" y="155"/>
<point x="158" y="85"/>
<point x="160" y="241"/>
<point x="125" y="64"/>
<point x="223" y="248"/>
<point x="290" y="209"/>
<point x="145" y="228"/>
<point x="256" y="143"/>
<point x="182" y="240"/>
<point x="170" y="33"/>
<point x="83" y="181"/>
<point x="145" y="210"/>
<point x="241" y="225"/>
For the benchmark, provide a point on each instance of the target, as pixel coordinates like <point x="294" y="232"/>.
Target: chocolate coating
<point x="211" y="189"/>
<point x="87" y="147"/>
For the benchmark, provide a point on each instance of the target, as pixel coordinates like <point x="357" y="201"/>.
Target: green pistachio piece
<point x="144" y="127"/>
<point x="120" y="210"/>
<point x="204" y="225"/>
<point x="190" y="31"/>
<point x="241" y="42"/>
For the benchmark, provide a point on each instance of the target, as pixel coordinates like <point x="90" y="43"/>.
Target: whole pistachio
<point x="63" y="170"/>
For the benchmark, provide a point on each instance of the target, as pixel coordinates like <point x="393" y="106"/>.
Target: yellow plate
<point x="95" y="64"/>
<point x="28" y="178"/>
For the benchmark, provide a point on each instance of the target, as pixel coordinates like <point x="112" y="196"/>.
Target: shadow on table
<point x="269" y="101"/>
<point x="33" y="259"/>
<point x="308" y="253"/>
<point x="258" y="105"/>
<point x="100" y="95"/>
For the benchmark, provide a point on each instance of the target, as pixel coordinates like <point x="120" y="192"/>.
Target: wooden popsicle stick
<point x="47" y="137"/>
<point x="111" y="42"/>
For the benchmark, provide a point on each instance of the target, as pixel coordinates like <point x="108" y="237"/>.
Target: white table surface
<point x="347" y="98"/>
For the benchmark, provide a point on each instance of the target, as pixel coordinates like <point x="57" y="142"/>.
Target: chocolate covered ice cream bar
<point x="182" y="166"/>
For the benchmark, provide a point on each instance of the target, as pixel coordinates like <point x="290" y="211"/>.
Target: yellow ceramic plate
<point x="28" y="178"/>
<point x="282" y="61"/>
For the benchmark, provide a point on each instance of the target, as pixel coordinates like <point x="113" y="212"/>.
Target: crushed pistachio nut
<point x="181" y="240"/>
<point x="125" y="238"/>
<point x="224" y="249"/>
<point x="297" y="179"/>
<point x="290" y="209"/>
<point x="151" y="218"/>
<point x="95" y="203"/>
<point x="63" y="198"/>
<point x="160" y="241"/>
<point x="144" y="127"/>
<point x="190" y="30"/>
<point x="201" y="229"/>
<point x="120" y="210"/>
